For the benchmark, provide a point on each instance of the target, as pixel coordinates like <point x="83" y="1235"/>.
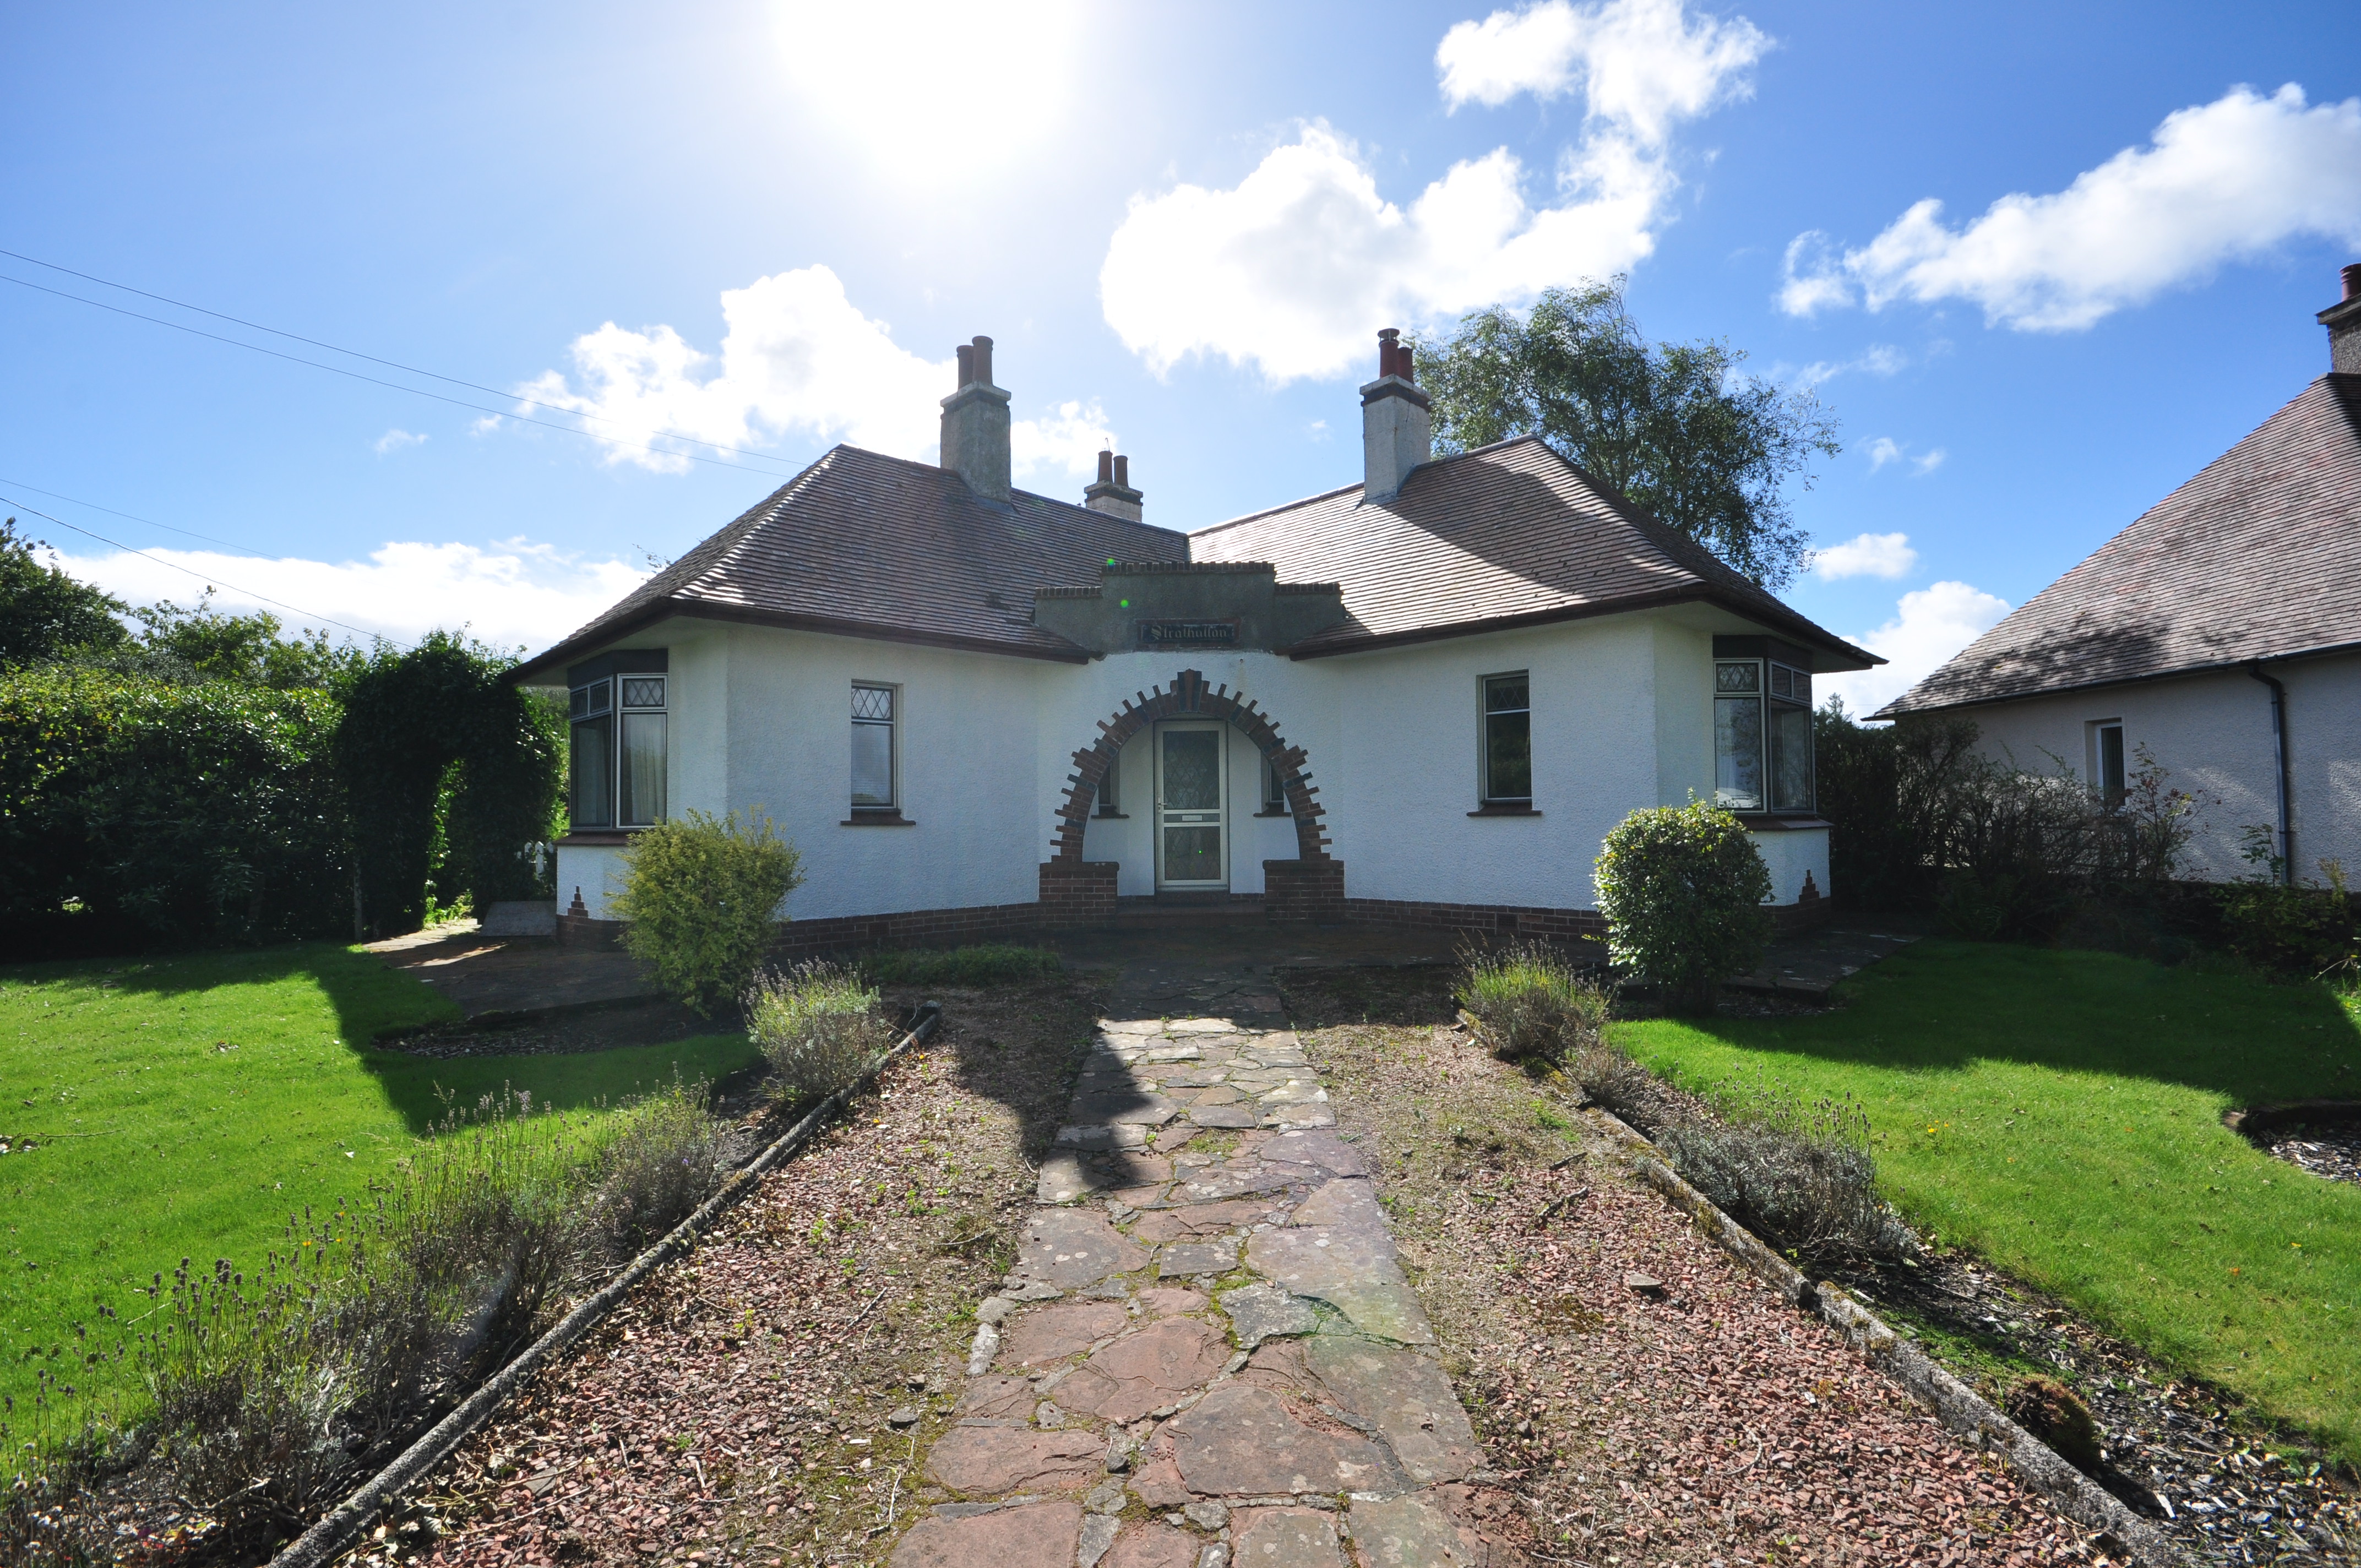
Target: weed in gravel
<point x="817" y="1024"/>
<point x="2054" y="1413"/>
<point x="1802" y="1174"/>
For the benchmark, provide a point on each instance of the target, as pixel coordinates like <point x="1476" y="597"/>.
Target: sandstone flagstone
<point x="1037" y="1535"/>
<point x="1153" y="1546"/>
<point x="1286" y="1538"/>
<point x="1048" y="1334"/>
<point x="1071" y="1248"/>
<point x="1145" y="1371"/>
<point x="1241" y="1441"/>
<point x="985" y="1461"/>
<point x="1406" y="1397"/>
<point x="1351" y="1269"/>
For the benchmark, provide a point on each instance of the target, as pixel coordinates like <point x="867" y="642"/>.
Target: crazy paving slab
<point x="1206" y="1353"/>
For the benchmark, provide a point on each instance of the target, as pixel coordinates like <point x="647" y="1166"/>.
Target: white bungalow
<point x="1420" y="699"/>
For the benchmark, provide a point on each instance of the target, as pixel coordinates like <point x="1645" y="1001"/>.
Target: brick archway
<point x="1189" y="697"/>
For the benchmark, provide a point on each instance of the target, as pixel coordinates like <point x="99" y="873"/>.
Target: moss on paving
<point x="182" y="1107"/>
<point x="2060" y="1113"/>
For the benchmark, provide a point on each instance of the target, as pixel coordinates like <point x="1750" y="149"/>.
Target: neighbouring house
<point x="2219" y="634"/>
<point x="1422" y="698"/>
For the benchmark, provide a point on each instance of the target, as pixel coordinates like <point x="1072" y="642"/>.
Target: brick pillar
<point x="1077" y="894"/>
<point x="1304" y="890"/>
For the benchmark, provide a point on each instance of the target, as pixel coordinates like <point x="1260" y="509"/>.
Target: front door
<point x="1192" y="847"/>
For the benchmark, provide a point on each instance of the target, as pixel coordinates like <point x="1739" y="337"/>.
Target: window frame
<point x="1274" y="789"/>
<point x="1782" y="687"/>
<point x="595" y="693"/>
<point x="625" y="710"/>
<point x="892" y="725"/>
<point x="1486" y="798"/>
<point x="2110" y="793"/>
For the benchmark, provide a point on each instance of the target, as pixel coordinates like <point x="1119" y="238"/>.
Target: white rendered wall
<point x="2213" y="735"/>
<point x="761" y="718"/>
<point x="1789" y="856"/>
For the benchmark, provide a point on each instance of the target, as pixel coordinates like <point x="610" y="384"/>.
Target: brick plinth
<point x="1304" y="890"/>
<point x="577" y="929"/>
<point x="1479" y="919"/>
<point x="1076" y="894"/>
<point x="906" y="928"/>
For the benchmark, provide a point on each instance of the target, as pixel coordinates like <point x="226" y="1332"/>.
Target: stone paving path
<point x="1206" y="1353"/>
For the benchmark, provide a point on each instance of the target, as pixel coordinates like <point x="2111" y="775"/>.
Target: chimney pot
<point x="1107" y="467"/>
<point x="966" y="365"/>
<point x="1122" y="471"/>
<point x="1113" y="494"/>
<point x="1402" y="365"/>
<point x="2352" y="276"/>
<point x="983" y="359"/>
<point x="2343" y="321"/>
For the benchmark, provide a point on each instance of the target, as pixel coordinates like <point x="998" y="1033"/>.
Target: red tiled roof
<point x="2257" y="557"/>
<point x="1506" y="536"/>
<point x="874" y="546"/>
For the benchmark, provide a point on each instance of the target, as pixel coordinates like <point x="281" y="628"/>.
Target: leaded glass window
<point x="873" y="747"/>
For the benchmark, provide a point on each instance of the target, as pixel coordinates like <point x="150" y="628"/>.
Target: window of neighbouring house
<point x="2107" y="760"/>
<point x="1507" y="741"/>
<point x="1761" y="735"/>
<point x="592" y="733"/>
<point x="641" y="751"/>
<point x="872" y="747"/>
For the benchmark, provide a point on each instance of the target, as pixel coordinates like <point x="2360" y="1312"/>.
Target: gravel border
<point x="1960" y="1407"/>
<point x="343" y="1524"/>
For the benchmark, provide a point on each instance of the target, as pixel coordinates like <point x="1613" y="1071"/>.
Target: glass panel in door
<point x="1189" y="807"/>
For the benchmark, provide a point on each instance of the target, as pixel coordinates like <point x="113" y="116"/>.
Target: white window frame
<point x="2095" y="742"/>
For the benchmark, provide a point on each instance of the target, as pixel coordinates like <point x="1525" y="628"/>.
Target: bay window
<point x="1761" y="726"/>
<point x="616" y="711"/>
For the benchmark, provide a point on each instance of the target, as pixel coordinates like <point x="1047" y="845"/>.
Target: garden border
<point x="1961" y="1409"/>
<point x="339" y="1528"/>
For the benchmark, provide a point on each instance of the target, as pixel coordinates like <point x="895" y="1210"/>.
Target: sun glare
<point x="928" y="89"/>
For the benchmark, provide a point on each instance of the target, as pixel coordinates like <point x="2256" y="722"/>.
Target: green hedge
<point x="136" y="811"/>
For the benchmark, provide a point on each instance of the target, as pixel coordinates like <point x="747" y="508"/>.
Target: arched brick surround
<point x="1189" y="697"/>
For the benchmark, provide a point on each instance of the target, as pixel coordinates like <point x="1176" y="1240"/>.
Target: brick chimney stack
<point x="2343" y="321"/>
<point x="1113" y="494"/>
<point x="975" y="425"/>
<point x="1397" y="432"/>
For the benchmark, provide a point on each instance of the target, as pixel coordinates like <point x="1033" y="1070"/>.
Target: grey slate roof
<point x="1506" y="536"/>
<point x="876" y="546"/>
<point x="2256" y="557"/>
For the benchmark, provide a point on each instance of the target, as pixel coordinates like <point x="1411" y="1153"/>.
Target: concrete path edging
<point x="339" y="1528"/>
<point x="1957" y="1406"/>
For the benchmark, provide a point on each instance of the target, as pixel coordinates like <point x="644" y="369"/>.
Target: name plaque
<point x="1188" y="633"/>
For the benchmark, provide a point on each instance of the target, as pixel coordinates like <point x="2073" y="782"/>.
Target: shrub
<point x="985" y="963"/>
<point x="2054" y="1413"/>
<point x="817" y="1025"/>
<point x="654" y="1172"/>
<point x="1682" y="889"/>
<point x="1802" y="1175"/>
<point x="1532" y="1001"/>
<point x="2287" y="929"/>
<point x="702" y="894"/>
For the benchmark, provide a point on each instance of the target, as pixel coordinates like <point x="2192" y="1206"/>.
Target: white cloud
<point x="796" y="357"/>
<point x="2218" y="183"/>
<point x="1293" y="269"/>
<point x="1641" y="64"/>
<point x="1929" y="625"/>
<point x="1069" y="437"/>
<point x="1878" y="359"/>
<point x="395" y="440"/>
<point x="1866" y="556"/>
<point x="515" y="593"/>
<point x="1886" y="449"/>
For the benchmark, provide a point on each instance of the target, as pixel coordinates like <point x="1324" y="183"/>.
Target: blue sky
<point x="1183" y="225"/>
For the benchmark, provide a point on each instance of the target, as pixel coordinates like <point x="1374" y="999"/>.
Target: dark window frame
<point x="892" y="724"/>
<point x="1495" y="722"/>
<point x="1781" y="696"/>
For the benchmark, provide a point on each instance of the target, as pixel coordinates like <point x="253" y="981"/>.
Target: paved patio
<point x="1206" y="1353"/>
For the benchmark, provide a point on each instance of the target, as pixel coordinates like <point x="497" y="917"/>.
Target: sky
<point x="617" y="273"/>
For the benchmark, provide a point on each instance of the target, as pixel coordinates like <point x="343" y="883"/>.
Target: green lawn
<point x="185" y="1106"/>
<point x="2060" y="1113"/>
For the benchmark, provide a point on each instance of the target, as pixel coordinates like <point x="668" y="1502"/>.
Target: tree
<point x="44" y="613"/>
<point x="1675" y="427"/>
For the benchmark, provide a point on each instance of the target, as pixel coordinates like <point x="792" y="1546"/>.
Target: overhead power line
<point x="375" y="381"/>
<point x="130" y="517"/>
<point x="206" y="577"/>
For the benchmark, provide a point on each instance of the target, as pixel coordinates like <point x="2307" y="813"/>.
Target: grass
<point x="185" y="1107"/>
<point x="2061" y="1113"/>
